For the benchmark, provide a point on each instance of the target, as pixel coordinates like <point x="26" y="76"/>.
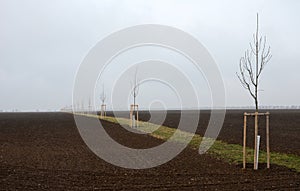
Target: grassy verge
<point x="231" y="153"/>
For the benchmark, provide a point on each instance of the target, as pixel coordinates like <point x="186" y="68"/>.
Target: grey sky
<point x="44" y="42"/>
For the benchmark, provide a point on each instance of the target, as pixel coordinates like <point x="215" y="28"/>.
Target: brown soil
<point x="284" y="128"/>
<point x="44" y="151"/>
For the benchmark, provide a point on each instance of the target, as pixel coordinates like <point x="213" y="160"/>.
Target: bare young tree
<point x="90" y="105"/>
<point x="135" y="89"/>
<point x="103" y="95"/>
<point x="103" y="106"/>
<point x="82" y="106"/>
<point x="252" y="64"/>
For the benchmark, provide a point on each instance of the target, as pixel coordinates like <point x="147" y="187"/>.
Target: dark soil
<point x="284" y="128"/>
<point x="44" y="151"/>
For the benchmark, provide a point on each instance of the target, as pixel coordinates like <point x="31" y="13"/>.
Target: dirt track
<point x="44" y="151"/>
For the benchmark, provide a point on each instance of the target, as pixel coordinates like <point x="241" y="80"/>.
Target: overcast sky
<point x="42" y="44"/>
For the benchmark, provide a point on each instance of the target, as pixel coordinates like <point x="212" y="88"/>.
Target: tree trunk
<point x="256" y="49"/>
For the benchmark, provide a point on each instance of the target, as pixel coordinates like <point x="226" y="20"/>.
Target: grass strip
<point x="231" y="153"/>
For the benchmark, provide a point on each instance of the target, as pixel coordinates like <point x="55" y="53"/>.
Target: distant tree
<point x="103" y="95"/>
<point x="82" y="105"/>
<point x="135" y="88"/>
<point x="90" y="105"/>
<point x="252" y="64"/>
<point x="103" y="106"/>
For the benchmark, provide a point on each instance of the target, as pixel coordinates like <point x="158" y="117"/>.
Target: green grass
<point x="231" y="153"/>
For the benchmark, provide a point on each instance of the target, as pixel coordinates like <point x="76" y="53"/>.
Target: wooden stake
<point x="255" y="141"/>
<point x="137" y="115"/>
<point x="131" y="110"/>
<point x="244" y="143"/>
<point x="268" y="139"/>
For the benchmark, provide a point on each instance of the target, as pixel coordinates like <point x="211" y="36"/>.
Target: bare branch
<point x="259" y="44"/>
<point x="254" y="39"/>
<point x="265" y="56"/>
<point x="252" y="49"/>
<point x="244" y="76"/>
<point x="246" y="64"/>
